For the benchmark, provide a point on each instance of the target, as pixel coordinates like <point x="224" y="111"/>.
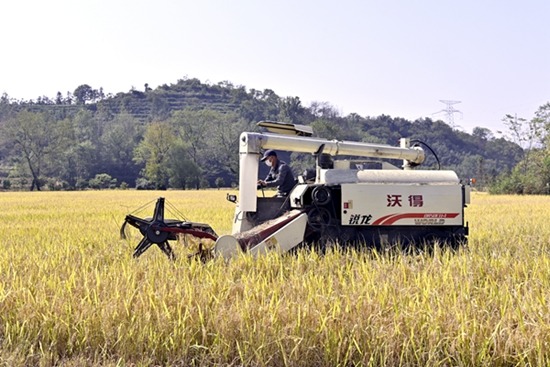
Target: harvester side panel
<point x="401" y="205"/>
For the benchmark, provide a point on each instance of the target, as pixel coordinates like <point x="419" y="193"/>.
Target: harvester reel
<point x="158" y="231"/>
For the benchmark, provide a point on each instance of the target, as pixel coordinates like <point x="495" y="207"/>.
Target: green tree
<point x="102" y="181"/>
<point x="81" y="159"/>
<point x="532" y="173"/>
<point x="192" y="127"/>
<point x="183" y="172"/>
<point x="220" y="182"/>
<point x="223" y="145"/>
<point x="7" y="107"/>
<point x="118" y="142"/>
<point x="36" y="139"/>
<point x="154" y="151"/>
<point x="327" y="129"/>
<point x="84" y="93"/>
<point x="482" y="133"/>
<point x="291" y="110"/>
<point x="542" y="122"/>
<point x="211" y="140"/>
<point x="160" y="108"/>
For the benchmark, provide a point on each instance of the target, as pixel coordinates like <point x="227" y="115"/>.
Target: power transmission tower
<point x="449" y="110"/>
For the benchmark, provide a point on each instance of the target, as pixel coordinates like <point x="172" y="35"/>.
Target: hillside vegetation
<point x="184" y="135"/>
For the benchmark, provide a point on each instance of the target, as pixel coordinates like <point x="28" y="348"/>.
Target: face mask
<point x="268" y="163"/>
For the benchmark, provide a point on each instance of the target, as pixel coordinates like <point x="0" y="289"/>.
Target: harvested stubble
<point x="70" y="292"/>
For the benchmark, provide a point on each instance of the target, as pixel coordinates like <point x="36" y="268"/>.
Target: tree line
<point x="532" y="174"/>
<point x="185" y="135"/>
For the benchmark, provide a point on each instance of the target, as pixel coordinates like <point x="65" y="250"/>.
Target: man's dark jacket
<point x="281" y="175"/>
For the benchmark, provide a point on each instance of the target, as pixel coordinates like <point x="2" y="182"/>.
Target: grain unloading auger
<point x="350" y="201"/>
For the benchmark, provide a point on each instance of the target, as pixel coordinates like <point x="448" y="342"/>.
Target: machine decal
<point x="394" y="200"/>
<point x="360" y="219"/>
<point x="414" y="200"/>
<point x="392" y="218"/>
<point x="429" y="222"/>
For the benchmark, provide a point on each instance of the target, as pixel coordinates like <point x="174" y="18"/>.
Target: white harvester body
<point x="359" y="201"/>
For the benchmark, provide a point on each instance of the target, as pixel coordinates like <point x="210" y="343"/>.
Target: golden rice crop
<point x="71" y="293"/>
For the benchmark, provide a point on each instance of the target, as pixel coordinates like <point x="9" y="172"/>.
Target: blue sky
<point x="398" y="58"/>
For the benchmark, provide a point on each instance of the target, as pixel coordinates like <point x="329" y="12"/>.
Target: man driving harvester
<point x="280" y="174"/>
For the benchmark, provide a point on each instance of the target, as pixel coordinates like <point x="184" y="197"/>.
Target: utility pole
<point x="449" y="110"/>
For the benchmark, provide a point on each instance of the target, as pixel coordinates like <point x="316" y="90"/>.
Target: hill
<point x="148" y="138"/>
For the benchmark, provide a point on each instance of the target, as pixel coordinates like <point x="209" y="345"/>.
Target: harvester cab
<point x="351" y="197"/>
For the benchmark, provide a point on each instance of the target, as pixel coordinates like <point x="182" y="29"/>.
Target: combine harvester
<point x="361" y="202"/>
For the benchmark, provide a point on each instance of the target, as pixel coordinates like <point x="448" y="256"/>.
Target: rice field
<point x="71" y="293"/>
